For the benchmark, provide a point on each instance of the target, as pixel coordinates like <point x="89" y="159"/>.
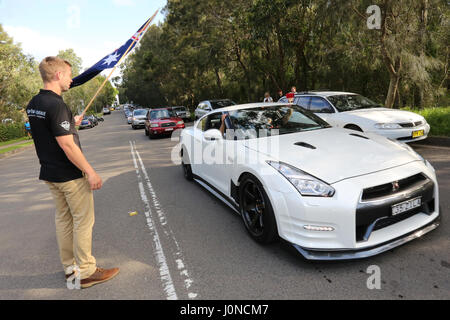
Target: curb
<point x="12" y="152"/>
<point x="434" y="141"/>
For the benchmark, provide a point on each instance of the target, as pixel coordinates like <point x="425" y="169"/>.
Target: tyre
<point x="256" y="211"/>
<point x="151" y="136"/>
<point x="353" y="127"/>
<point x="134" y="128"/>
<point x="186" y="166"/>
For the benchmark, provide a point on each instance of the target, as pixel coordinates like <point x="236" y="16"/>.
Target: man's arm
<point x="75" y="155"/>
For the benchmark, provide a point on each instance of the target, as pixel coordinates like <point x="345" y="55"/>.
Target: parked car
<point x="208" y="105"/>
<point x="182" y="112"/>
<point x="353" y="111"/>
<point x="99" y="119"/>
<point x="106" y="111"/>
<point x="85" y="123"/>
<point x="138" y="118"/>
<point x="334" y="194"/>
<point x="160" y="122"/>
<point x="93" y="119"/>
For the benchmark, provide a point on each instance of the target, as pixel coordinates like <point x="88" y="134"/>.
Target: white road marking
<point x="178" y="254"/>
<point x="164" y="271"/>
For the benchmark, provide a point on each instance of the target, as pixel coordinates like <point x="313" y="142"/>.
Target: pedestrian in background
<point x="65" y="170"/>
<point x="267" y="97"/>
<point x="28" y="129"/>
<point x="280" y="94"/>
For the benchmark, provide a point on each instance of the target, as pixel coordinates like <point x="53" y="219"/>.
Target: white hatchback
<point x="353" y="111"/>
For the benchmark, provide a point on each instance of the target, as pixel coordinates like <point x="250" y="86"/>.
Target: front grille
<point x="384" y="190"/>
<point x="411" y="124"/>
<point x="427" y="207"/>
<point x="380" y="211"/>
<point x="168" y="124"/>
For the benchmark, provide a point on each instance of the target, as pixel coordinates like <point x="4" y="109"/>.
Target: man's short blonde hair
<point x="50" y="65"/>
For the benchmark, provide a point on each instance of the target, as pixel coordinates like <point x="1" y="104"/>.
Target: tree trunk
<point x="219" y="81"/>
<point x="393" y="87"/>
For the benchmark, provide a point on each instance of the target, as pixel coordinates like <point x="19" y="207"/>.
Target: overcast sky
<point x="92" y="28"/>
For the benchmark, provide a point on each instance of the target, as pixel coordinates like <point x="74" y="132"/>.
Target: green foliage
<point x="12" y="131"/>
<point x="438" y="118"/>
<point x="20" y="81"/>
<point x="240" y="49"/>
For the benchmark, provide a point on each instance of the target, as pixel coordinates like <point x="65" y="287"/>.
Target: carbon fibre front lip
<point x="314" y="254"/>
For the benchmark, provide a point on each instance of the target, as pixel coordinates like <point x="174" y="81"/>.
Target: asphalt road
<point x="184" y="243"/>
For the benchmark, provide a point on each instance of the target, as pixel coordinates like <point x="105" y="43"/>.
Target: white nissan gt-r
<point x="333" y="193"/>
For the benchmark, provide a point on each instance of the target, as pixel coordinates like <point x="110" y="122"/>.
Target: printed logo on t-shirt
<point x="65" y="125"/>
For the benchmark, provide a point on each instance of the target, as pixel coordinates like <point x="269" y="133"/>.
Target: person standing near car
<point x="267" y="97"/>
<point x="69" y="176"/>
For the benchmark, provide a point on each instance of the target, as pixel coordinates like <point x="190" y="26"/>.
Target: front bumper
<point x="404" y="134"/>
<point x="138" y="123"/>
<point x="324" y="254"/>
<point x="296" y="215"/>
<point x="162" y="130"/>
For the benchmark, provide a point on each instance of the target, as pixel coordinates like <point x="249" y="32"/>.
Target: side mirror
<point x="213" y="135"/>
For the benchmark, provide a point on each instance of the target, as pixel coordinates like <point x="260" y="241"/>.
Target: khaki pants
<point x="74" y="222"/>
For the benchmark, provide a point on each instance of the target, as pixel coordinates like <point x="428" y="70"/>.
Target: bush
<point x="438" y="119"/>
<point x="12" y="131"/>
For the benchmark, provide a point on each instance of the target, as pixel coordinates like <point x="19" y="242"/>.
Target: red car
<point x="161" y="122"/>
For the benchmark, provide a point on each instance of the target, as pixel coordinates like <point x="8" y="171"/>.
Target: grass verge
<point x="437" y="118"/>
<point x="16" y="147"/>
<point x="5" y="143"/>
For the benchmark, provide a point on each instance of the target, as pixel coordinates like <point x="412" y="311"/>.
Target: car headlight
<point x="388" y="126"/>
<point x="306" y="184"/>
<point x="154" y="125"/>
<point x="180" y="122"/>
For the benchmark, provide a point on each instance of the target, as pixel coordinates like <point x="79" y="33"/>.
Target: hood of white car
<point x="385" y="115"/>
<point x="337" y="154"/>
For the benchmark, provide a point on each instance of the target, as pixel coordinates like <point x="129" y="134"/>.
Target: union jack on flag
<point x="112" y="59"/>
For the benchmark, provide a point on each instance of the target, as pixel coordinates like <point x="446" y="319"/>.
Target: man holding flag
<point x="64" y="168"/>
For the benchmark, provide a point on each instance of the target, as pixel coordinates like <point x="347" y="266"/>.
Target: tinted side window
<point x="320" y="105"/>
<point x="302" y="102"/>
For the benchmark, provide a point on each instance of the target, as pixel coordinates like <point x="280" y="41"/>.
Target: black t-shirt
<point x="49" y="118"/>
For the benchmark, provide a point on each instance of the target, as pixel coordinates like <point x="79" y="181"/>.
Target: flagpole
<point x="123" y="56"/>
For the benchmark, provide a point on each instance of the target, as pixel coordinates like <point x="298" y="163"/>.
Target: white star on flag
<point x="111" y="58"/>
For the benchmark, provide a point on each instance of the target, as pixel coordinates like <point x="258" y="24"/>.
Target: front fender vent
<point x="305" y="145"/>
<point x="359" y="136"/>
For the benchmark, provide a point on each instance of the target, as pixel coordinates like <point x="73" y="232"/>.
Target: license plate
<point x="418" y="133"/>
<point x="169" y="129"/>
<point x="406" y="206"/>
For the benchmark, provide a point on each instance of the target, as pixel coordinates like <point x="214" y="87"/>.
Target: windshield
<point x="160" y="114"/>
<point x="179" y="109"/>
<point x="348" y="102"/>
<point x="284" y="119"/>
<point x="139" y="112"/>
<point x="221" y="104"/>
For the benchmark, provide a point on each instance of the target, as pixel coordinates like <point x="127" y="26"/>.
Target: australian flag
<point x="111" y="60"/>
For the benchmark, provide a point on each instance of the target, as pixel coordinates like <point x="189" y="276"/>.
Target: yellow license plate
<point x="417" y="133"/>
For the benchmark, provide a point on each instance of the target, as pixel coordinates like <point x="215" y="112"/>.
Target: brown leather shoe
<point x="100" y="275"/>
